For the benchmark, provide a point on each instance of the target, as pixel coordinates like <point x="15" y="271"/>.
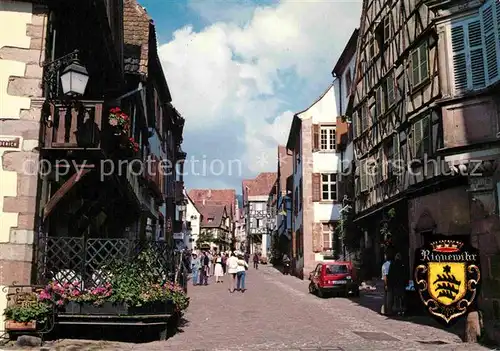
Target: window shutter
<point x="476" y="54"/>
<point x="417" y="139"/>
<point x="363" y="176"/>
<point x="459" y="58"/>
<point x="315" y="135"/>
<point x="356" y="123"/>
<point x="316" y="187"/>
<point x="379" y="97"/>
<point x="415" y="74"/>
<point x="490" y="34"/>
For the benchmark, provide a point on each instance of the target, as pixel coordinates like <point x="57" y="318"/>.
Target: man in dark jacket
<point x="396" y="282"/>
<point x="205" y="262"/>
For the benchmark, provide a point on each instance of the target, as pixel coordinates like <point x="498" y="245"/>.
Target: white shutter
<point x="363" y="175"/>
<point x="476" y="48"/>
<point x="490" y="16"/>
<point x="459" y="57"/>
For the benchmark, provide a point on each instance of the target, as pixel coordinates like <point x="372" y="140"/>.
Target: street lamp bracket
<point x="52" y="70"/>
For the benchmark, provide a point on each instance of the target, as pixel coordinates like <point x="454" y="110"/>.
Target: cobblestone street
<point x="277" y="313"/>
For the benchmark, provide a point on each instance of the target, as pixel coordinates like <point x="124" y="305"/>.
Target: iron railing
<point x="88" y="260"/>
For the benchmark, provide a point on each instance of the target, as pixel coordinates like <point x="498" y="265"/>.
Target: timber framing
<point x="396" y="125"/>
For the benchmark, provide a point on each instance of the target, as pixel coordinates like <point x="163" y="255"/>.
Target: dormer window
<point x="210" y="219"/>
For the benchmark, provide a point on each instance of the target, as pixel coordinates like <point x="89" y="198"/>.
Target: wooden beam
<point x="63" y="190"/>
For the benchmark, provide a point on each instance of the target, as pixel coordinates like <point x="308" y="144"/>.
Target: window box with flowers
<point x="131" y="290"/>
<point x="27" y="313"/>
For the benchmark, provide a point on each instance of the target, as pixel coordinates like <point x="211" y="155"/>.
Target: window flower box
<point x="11" y="325"/>
<point x="110" y="308"/>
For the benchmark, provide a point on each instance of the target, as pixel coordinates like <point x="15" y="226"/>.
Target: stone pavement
<point x="278" y="313"/>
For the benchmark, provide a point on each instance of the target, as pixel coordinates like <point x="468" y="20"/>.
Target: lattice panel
<point x="59" y="259"/>
<point x="102" y="254"/>
<point x="88" y="261"/>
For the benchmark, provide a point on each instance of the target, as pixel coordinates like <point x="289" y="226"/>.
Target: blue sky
<point x="238" y="70"/>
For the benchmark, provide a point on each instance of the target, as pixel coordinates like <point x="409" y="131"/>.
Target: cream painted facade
<point x="22" y="29"/>
<point x="312" y="214"/>
<point x="194" y="217"/>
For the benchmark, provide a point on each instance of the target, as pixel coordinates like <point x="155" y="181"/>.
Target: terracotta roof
<point x="206" y="197"/>
<point x="136" y="23"/>
<point x="212" y="215"/>
<point x="285" y="166"/>
<point x="260" y="185"/>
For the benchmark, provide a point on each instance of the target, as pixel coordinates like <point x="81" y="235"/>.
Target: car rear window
<point x="337" y="269"/>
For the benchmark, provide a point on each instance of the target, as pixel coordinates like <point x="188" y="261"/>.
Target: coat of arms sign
<point x="447" y="276"/>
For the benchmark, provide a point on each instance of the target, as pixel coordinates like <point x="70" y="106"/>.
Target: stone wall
<point x="449" y="210"/>
<point x="307" y="206"/>
<point x="21" y="55"/>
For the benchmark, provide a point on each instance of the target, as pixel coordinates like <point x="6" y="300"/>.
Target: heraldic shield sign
<point x="447" y="276"/>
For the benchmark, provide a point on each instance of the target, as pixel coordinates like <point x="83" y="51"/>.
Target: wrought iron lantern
<point x="74" y="79"/>
<point x="182" y="207"/>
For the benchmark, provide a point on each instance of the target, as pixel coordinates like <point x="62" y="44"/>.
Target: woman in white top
<point x="242" y="267"/>
<point x="218" y="271"/>
<point x="232" y="269"/>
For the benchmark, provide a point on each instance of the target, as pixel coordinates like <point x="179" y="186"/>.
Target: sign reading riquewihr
<point x="447" y="276"/>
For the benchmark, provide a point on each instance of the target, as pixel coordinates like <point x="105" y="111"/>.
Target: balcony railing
<point x="87" y="261"/>
<point x="74" y="126"/>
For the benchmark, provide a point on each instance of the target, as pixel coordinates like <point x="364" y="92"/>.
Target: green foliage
<point x="30" y="309"/>
<point x="205" y="237"/>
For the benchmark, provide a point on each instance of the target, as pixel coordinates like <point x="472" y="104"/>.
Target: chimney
<point x="203" y="201"/>
<point x="209" y="193"/>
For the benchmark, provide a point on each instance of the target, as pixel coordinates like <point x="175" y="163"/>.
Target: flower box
<point x="11" y="325"/>
<point x="109" y="308"/>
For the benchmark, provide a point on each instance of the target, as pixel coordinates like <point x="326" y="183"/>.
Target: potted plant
<point x="119" y="121"/>
<point x="25" y="314"/>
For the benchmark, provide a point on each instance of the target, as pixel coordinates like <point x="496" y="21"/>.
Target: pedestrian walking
<point x="247" y="257"/>
<point x="195" y="269"/>
<point x="205" y="269"/>
<point x="256" y="260"/>
<point x="218" y="272"/>
<point x="388" y="293"/>
<point x="396" y="280"/>
<point x="241" y="274"/>
<point x="232" y="269"/>
<point x="223" y="263"/>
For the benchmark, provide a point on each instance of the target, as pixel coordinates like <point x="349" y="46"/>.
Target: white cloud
<point x="227" y="74"/>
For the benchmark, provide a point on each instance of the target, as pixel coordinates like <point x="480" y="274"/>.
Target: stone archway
<point x="425" y="222"/>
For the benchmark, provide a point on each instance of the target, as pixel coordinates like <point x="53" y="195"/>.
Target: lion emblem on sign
<point x="447" y="277"/>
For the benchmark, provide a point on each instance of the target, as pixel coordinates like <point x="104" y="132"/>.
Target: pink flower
<point x="60" y="302"/>
<point x="44" y="295"/>
<point x="113" y="122"/>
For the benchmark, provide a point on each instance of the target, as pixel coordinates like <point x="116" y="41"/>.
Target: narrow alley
<point x="277" y="313"/>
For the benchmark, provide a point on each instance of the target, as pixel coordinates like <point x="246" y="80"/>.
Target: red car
<point x="334" y="277"/>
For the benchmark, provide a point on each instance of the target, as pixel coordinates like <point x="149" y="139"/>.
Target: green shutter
<point x="476" y="54"/>
<point x="415" y="68"/>
<point x="459" y="58"/>
<point x="417" y="139"/>
<point x="423" y="62"/>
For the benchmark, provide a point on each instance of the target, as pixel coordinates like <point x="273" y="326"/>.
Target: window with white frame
<point x="327" y="138"/>
<point x="329" y="187"/>
<point x="327" y="231"/>
<point x="420" y="64"/>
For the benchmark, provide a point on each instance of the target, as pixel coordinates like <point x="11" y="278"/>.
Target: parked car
<point x="334" y="277"/>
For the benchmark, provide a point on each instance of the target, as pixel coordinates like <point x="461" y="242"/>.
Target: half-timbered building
<point x="255" y="196"/>
<point x="396" y="125"/>
<point x="81" y="184"/>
